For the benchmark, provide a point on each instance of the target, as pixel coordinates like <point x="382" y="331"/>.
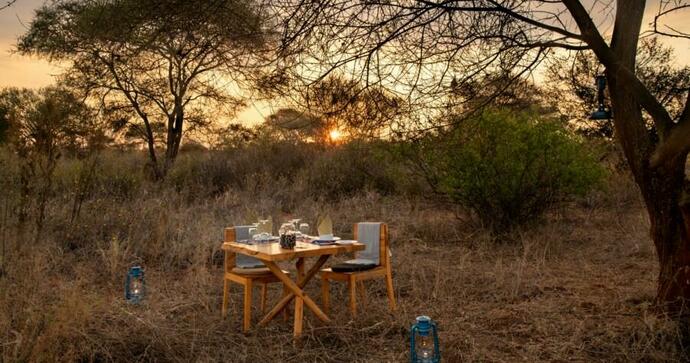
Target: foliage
<point x="41" y="121"/>
<point x="349" y="169"/>
<point x="312" y="171"/>
<point x="41" y="126"/>
<point x="510" y="167"/>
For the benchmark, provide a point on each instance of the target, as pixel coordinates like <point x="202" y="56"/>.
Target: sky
<point x="32" y="72"/>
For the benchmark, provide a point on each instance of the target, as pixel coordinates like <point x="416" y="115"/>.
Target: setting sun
<point x="335" y="135"/>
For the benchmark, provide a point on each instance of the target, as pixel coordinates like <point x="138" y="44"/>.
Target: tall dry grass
<point x="577" y="288"/>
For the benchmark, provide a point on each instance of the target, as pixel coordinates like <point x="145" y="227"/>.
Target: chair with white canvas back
<point x="373" y="262"/>
<point x="246" y="271"/>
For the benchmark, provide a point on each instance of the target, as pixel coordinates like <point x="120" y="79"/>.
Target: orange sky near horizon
<point x="32" y="72"/>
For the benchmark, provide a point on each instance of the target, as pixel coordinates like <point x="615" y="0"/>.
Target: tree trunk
<point x="174" y="138"/>
<point x="661" y="188"/>
<point x="670" y="223"/>
<point x="662" y="191"/>
<point x="153" y="160"/>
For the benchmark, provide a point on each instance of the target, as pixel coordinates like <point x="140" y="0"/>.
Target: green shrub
<point x="509" y="167"/>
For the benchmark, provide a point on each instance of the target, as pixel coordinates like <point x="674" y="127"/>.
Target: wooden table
<point x="271" y="253"/>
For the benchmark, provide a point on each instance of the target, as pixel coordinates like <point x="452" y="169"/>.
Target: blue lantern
<point x="602" y="113"/>
<point x="424" y="341"/>
<point x="134" y="285"/>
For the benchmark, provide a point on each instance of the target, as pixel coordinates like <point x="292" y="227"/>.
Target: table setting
<point x="292" y="232"/>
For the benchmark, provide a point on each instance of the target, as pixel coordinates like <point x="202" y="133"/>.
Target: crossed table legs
<point x="296" y="292"/>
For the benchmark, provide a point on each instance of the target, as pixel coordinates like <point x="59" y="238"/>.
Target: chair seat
<point x="348" y="266"/>
<point x="359" y="275"/>
<point x="253" y="271"/>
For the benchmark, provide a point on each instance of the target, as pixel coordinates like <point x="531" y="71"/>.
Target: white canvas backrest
<point x="244" y="261"/>
<point x="369" y="233"/>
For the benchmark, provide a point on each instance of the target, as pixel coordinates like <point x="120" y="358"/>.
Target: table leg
<point x="296" y="292"/>
<point x="282" y="304"/>
<point x="299" y="302"/>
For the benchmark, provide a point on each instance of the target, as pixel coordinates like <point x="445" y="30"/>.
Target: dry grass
<point x="579" y="287"/>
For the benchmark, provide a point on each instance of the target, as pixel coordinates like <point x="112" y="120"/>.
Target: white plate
<point x="326" y="239"/>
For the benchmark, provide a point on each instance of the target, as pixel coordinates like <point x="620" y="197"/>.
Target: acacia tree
<point x="157" y="67"/>
<point x="421" y="44"/>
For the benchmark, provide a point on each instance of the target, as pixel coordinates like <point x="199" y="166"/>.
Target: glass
<point x="304" y="228"/>
<point x="136" y="287"/>
<point x="425" y="349"/>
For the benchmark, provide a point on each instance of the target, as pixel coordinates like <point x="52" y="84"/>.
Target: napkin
<point x="325" y="226"/>
<point x="265" y="226"/>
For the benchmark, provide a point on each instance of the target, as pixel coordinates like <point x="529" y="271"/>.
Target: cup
<point x="304" y="228"/>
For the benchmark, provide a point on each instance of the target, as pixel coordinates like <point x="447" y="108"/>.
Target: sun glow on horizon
<point x="335" y="135"/>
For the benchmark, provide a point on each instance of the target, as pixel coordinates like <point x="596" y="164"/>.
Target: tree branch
<point x="675" y="33"/>
<point x="8" y="4"/>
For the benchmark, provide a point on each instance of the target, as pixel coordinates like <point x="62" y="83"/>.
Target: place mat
<point x="326" y="242"/>
<point x="253" y="242"/>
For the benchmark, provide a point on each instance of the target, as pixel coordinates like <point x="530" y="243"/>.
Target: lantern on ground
<point x="602" y="112"/>
<point x="134" y="285"/>
<point x="424" y="341"/>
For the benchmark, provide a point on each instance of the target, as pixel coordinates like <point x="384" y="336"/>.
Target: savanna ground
<point x="578" y="286"/>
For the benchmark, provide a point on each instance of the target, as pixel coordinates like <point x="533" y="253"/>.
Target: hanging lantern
<point x="602" y="113"/>
<point x="424" y="341"/>
<point x="134" y="285"/>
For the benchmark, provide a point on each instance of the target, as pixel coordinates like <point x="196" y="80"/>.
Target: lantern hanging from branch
<point x="602" y="112"/>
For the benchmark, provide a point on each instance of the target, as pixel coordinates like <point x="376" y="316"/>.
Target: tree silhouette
<point x="156" y="67"/>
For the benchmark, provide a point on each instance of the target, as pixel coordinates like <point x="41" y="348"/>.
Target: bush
<point x="350" y="169"/>
<point x="510" y="167"/>
<point x="289" y="171"/>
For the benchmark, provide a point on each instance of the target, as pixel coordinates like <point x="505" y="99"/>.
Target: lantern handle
<point x="413" y="332"/>
<point x="127" y="279"/>
<point x="437" y="352"/>
<point x="601" y="86"/>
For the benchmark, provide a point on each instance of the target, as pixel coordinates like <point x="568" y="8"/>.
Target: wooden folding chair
<point x="248" y="278"/>
<point x="382" y="270"/>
